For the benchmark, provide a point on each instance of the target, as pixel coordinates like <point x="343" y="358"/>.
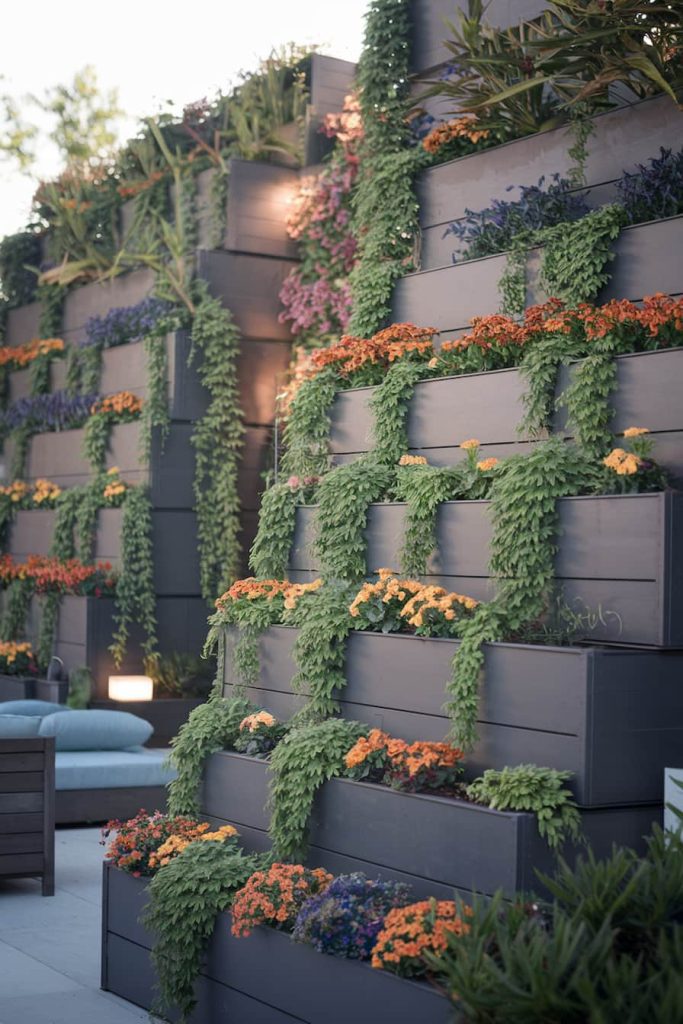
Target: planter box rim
<point x="532" y="248"/>
<point x="487" y="501"/>
<point x="501" y="369"/>
<point x="525" y="138"/>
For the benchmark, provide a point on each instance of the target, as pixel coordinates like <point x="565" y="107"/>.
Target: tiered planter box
<point x="612" y="717"/>
<point x="15" y="688"/>
<point x="620" y="557"/>
<point x="437" y="844"/>
<point x="645" y="263"/>
<point x="174" y="537"/>
<point x="263" y="978"/>
<point x="124" y="368"/>
<point x="489" y="406"/>
<point x="622" y="139"/>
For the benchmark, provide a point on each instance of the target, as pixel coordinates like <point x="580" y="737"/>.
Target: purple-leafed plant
<point x="490" y="231"/>
<point x="126" y="323"/>
<point x="56" y="411"/>
<point x="347" y="917"/>
<point x="655" y="190"/>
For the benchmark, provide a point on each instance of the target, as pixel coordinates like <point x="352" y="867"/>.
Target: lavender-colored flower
<point x="55" y="411"/>
<point x="347" y="917"/>
<point x="655" y="190"/>
<point x="125" y="324"/>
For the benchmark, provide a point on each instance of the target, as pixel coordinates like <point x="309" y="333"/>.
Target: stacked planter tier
<point x="235" y="984"/>
<point x="620" y="558"/>
<point x="612" y="717"/>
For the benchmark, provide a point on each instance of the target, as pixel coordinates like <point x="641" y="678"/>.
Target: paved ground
<point x="50" y="946"/>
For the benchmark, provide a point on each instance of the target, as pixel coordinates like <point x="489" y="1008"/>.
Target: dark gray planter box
<point x="166" y="714"/>
<point x="175" y="553"/>
<point x="621" y="140"/>
<point x="299" y="984"/>
<point x="612" y="717"/>
<point x="645" y="263"/>
<point x="16" y="688"/>
<point x="86" y="625"/>
<point x="249" y="287"/>
<point x="22" y="324"/>
<point x="259" y="196"/>
<point x="124" y="368"/>
<point x="98" y="298"/>
<point x="489" y="406"/>
<point x="620" y="556"/>
<point x="436" y="843"/>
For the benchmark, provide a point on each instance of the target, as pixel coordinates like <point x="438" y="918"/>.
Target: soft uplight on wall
<point x="130" y="688"/>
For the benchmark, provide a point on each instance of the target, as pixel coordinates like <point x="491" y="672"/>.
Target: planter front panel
<point x="236" y="788"/>
<point x="97" y="298"/>
<point x="15" y="688"/>
<point x="249" y="287"/>
<point x="645" y="263"/>
<point x="574" y="709"/>
<point x="176" y="562"/>
<point x="23" y="324"/>
<point x="614" y="557"/>
<point x="621" y="140"/>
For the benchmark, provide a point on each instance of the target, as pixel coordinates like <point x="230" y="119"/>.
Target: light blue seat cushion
<point x="111" y="769"/>
<point x="18" y="727"/>
<point x="92" y="729"/>
<point x="39" y="708"/>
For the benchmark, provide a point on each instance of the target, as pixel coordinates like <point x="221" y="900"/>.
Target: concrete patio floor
<point x="50" y="946"/>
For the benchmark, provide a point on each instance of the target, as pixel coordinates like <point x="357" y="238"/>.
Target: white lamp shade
<point x="130" y="688"/>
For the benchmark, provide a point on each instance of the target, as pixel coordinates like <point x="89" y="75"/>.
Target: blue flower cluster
<point x="347" y="917"/>
<point x="126" y="323"/>
<point x="490" y="231"/>
<point x="55" y="411"/>
<point x="655" y="190"/>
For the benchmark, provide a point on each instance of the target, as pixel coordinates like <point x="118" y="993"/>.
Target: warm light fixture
<point x="130" y="688"/>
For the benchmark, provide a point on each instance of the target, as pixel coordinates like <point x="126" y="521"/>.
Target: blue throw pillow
<point x="18" y="727"/>
<point x="30" y="707"/>
<point x="93" y="729"/>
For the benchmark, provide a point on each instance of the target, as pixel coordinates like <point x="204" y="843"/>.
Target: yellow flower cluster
<point x="16" y="491"/>
<point x="45" y="490"/>
<point x="295" y="591"/>
<point x="622" y="462"/>
<point x="419" y="598"/>
<point x="486" y="464"/>
<point x="636" y="431"/>
<point x="115" y="487"/>
<point x="471" y="443"/>
<point x="176" y="844"/>
<point x="412" y="460"/>
<point x="252" y="722"/>
<point x="9" y="651"/>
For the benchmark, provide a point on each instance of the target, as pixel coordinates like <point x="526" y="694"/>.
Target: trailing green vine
<point x="385" y="219"/>
<point x="15" y="610"/>
<point x="587" y="399"/>
<point x="539" y="368"/>
<point x="389" y="405"/>
<point x="344" y="498"/>
<point x="51" y="298"/>
<point x="218" y="206"/>
<point x="135" y="600"/>
<point x="424" y="488"/>
<point x="523" y="548"/>
<point x="271" y="550"/>
<point x="307" y="431"/>
<point x="185" y="896"/>
<point x="320" y="649"/>
<point x="217" y="441"/>
<point x="155" y="410"/>
<point x="308" y="756"/>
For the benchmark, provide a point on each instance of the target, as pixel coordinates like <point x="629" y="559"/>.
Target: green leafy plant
<point x="135" y="600"/>
<point x="307" y="429"/>
<point x="389" y="406"/>
<point x="185" y="897"/>
<point x="385" y="207"/>
<point x="308" y="756"/>
<point x="270" y="553"/>
<point x="526" y="787"/>
<point x="424" y="488"/>
<point x="344" y="499"/>
<point x="324" y="624"/>
<point x="217" y="441"/>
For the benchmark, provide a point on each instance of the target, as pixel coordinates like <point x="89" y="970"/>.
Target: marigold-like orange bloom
<point x="486" y="464"/>
<point x="636" y="431"/>
<point x="252" y="722"/>
<point x="274" y="896"/>
<point x="622" y="462"/>
<point x="467" y="445"/>
<point x="123" y="403"/>
<point x="410" y="932"/>
<point x="412" y="460"/>
<point x="19" y="356"/>
<point x="463" y="127"/>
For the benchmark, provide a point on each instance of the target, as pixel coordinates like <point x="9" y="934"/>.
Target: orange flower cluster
<point x="252" y="722"/>
<point x="351" y="354"/>
<point x="414" y="600"/>
<point x="11" y="651"/>
<point x="45" y="492"/>
<point x="438" y="599"/>
<point x="115" y="487"/>
<point x="410" y="932"/>
<point x="16" y="491"/>
<point x="488" y="332"/>
<point x="657" y="312"/>
<point x="136" y="187"/>
<point x="175" y="843"/>
<point x="412" y="460"/>
<point x="121" y="404"/>
<point x="136" y="841"/>
<point x="484" y="465"/>
<point x="448" y="131"/>
<point x="275" y="896"/>
<point x="19" y="356"/>
<point x="252" y="589"/>
<point x="410" y="757"/>
<point x="622" y="462"/>
<point x="52" y="575"/>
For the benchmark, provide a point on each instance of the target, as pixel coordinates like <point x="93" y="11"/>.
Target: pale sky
<point x="152" y="51"/>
